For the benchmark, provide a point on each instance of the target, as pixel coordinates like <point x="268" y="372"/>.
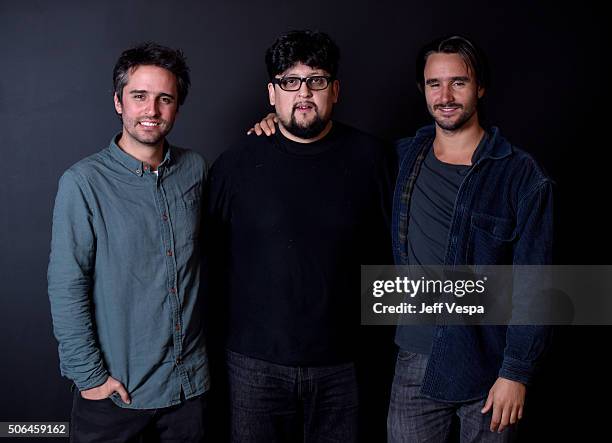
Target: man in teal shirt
<point x="124" y="267"/>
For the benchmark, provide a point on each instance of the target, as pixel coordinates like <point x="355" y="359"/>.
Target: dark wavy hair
<point x="474" y="58"/>
<point x="312" y="48"/>
<point x="152" y="54"/>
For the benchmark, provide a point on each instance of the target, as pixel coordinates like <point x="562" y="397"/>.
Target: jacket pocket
<point x="490" y="240"/>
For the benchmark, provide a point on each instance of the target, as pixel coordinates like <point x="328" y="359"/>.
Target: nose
<point x="446" y="94"/>
<point x="152" y="108"/>
<point x="304" y="90"/>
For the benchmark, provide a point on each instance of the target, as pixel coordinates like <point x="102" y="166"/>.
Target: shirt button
<point x="173" y="290"/>
<point x="169" y="253"/>
<point x="177" y="327"/>
<point x="178" y="361"/>
<point x="164" y="217"/>
<point x="138" y="171"/>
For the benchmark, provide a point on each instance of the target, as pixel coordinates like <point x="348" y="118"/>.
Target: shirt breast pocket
<point x="490" y="240"/>
<point x="188" y="221"/>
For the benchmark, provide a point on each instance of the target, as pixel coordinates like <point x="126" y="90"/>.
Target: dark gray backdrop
<point x="547" y="96"/>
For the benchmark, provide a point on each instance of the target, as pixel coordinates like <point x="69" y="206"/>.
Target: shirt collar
<point x="135" y="166"/>
<point x="496" y="147"/>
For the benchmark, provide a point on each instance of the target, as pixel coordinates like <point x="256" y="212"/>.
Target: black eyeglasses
<point x="314" y="83"/>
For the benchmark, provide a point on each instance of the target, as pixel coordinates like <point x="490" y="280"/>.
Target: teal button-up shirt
<point x="124" y="275"/>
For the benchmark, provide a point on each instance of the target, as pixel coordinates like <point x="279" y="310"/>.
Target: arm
<point x="387" y="175"/>
<point x="215" y="258"/>
<point x="71" y="266"/>
<point x="525" y="344"/>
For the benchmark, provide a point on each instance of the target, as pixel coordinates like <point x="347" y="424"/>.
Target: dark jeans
<point x="272" y="403"/>
<point x="102" y="421"/>
<point x="416" y="418"/>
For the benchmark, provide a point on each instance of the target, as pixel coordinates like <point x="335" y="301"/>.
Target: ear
<point x="271" y="94"/>
<point x="481" y="91"/>
<point x="118" y="106"/>
<point x="335" y="91"/>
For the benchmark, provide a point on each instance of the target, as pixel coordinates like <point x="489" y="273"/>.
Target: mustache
<point x="448" y="105"/>
<point x="298" y="104"/>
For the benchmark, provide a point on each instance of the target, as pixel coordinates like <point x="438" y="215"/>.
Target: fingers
<point x="107" y="389"/>
<point x="268" y="123"/>
<point x="505" y="419"/>
<point x="488" y="404"/>
<point x="90" y="394"/>
<point x="504" y="416"/>
<point x="506" y="397"/>
<point x="514" y="415"/>
<point x="267" y="127"/>
<point x="255" y="129"/>
<point x="119" y="389"/>
<point x="496" y="418"/>
<point x="97" y="393"/>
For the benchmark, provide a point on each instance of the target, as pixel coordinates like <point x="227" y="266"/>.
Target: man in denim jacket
<point x="464" y="195"/>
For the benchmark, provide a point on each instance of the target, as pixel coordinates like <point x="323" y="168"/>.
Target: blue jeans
<point x="274" y="403"/>
<point x="416" y="418"/>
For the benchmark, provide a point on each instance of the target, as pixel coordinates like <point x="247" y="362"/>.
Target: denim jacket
<point x="502" y="216"/>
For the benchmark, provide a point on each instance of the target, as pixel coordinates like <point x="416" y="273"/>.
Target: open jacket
<point x="502" y="216"/>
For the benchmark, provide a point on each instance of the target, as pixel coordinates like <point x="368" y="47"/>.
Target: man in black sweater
<point x="290" y="218"/>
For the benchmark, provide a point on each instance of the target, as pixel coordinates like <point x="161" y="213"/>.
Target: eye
<point x="138" y="96"/>
<point x="459" y="83"/>
<point x="433" y="85"/>
<point x="167" y="100"/>
<point x="317" y="81"/>
<point x="290" y="81"/>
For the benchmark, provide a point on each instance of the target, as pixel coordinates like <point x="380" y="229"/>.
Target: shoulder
<point x="521" y="165"/>
<point x="518" y="169"/>
<point x="407" y="145"/>
<point x="403" y="145"/>
<point x="524" y="161"/>
<point x="529" y="176"/>
<point x="86" y="169"/>
<point x="357" y="135"/>
<point x="77" y="182"/>
<point x="242" y="152"/>
<point x="363" y="144"/>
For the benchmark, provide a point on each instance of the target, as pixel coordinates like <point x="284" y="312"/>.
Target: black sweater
<point x="287" y="227"/>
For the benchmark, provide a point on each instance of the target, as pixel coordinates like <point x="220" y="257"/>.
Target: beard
<point x="305" y="131"/>
<point x="452" y="125"/>
<point x="151" y="138"/>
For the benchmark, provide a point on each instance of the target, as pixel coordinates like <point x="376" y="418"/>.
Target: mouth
<point x="304" y="106"/>
<point x="149" y="123"/>
<point x="447" y="109"/>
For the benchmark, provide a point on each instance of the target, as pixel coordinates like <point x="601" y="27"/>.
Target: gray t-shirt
<point x="431" y="211"/>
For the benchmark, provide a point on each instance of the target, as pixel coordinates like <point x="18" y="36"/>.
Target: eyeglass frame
<point x="277" y="81"/>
